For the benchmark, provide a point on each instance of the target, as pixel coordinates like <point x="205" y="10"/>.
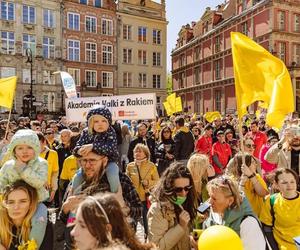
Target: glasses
<point x="180" y="189"/>
<point x="90" y="161"/>
<point x="48" y="133"/>
<point x="167" y="131"/>
<point x="225" y="181"/>
<point x="250" y="146"/>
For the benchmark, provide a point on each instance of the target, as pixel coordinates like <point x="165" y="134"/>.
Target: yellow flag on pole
<point x="168" y="108"/>
<point x="178" y="104"/>
<point x="171" y="99"/>
<point x="260" y="76"/>
<point x="7" y="91"/>
<point x="211" y="116"/>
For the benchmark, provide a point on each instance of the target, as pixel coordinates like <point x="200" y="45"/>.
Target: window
<point x="244" y="5"/>
<point x="97" y="3"/>
<point x="7" y="42"/>
<point x="181" y="80"/>
<point x="28" y="42"/>
<point x="218" y="100"/>
<point x="107" y="27"/>
<point x="157" y="36"/>
<point x="7" y="11"/>
<point x="7" y="72"/>
<point x="197" y="102"/>
<point x="156" y="81"/>
<point x="73" y="21"/>
<point x="127" y="79"/>
<point x="217" y="44"/>
<point x="48" y="78"/>
<point x="142" y="57"/>
<point x="156" y="59"/>
<point x="106" y="94"/>
<point x="181" y="60"/>
<point x="197" y="75"/>
<point x="127" y="55"/>
<point x="282" y="51"/>
<point x="91" y="78"/>
<point x="142" y="80"/>
<point x="197" y="53"/>
<point x="90" y="24"/>
<point x="281" y="20"/>
<point x="107" y="54"/>
<point x="48" y="18"/>
<point x="75" y="73"/>
<point x="297" y="23"/>
<point x="26" y="76"/>
<point x="83" y="2"/>
<point x="73" y="50"/>
<point x="107" y="79"/>
<point x="28" y="14"/>
<point x="48" y="47"/>
<point x="142" y="33"/>
<point x="245" y="28"/>
<point x="91" y="52"/>
<point x="127" y="32"/>
<point x="158" y="102"/>
<point x="297" y="54"/>
<point x="217" y="69"/>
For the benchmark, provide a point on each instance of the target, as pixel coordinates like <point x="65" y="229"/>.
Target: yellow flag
<point x="7" y="91"/>
<point x="168" y="108"/>
<point x="171" y="99"/>
<point x="178" y="104"/>
<point x="260" y="76"/>
<point x="211" y="116"/>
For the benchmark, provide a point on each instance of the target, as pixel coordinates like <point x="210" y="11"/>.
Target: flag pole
<point x="242" y="140"/>
<point x="7" y="125"/>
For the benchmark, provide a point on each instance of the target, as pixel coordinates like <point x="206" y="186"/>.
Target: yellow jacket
<point x="287" y="220"/>
<point x="52" y="167"/>
<point x="69" y="168"/>
<point x="148" y="172"/>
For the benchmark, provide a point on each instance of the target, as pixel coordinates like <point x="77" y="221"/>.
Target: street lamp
<point x="62" y="101"/>
<point x="29" y="60"/>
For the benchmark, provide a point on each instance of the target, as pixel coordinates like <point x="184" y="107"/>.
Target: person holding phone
<point x="285" y="153"/>
<point x="173" y="209"/>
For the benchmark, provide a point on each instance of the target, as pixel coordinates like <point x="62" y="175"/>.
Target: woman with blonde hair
<point x="144" y="176"/>
<point x="199" y="166"/>
<point x="17" y="208"/>
<point x="230" y="208"/>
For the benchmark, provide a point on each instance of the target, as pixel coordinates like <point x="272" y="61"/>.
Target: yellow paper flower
<point x="29" y="245"/>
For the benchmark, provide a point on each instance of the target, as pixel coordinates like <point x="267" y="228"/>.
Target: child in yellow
<point x="286" y="210"/>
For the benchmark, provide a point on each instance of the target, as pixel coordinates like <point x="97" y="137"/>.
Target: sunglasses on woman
<point x="250" y="146"/>
<point x="225" y="181"/>
<point x="180" y="189"/>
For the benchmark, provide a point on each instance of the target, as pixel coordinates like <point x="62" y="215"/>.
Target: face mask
<point x="179" y="200"/>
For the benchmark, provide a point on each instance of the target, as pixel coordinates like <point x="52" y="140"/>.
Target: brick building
<point x="89" y="45"/>
<point x="202" y="69"/>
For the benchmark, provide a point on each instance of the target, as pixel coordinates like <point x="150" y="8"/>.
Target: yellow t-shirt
<point x="254" y="199"/>
<point x="287" y="220"/>
<point x="69" y="168"/>
<point x="52" y="163"/>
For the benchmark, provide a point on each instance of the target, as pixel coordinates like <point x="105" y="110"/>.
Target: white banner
<point x="69" y="84"/>
<point x="122" y="107"/>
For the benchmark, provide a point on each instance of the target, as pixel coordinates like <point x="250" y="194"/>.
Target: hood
<point x="183" y="129"/>
<point x="99" y="110"/>
<point x="27" y="137"/>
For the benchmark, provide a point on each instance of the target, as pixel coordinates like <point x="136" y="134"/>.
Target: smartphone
<point x="203" y="207"/>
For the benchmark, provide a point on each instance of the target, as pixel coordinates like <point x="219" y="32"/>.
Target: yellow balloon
<point x="219" y="238"/>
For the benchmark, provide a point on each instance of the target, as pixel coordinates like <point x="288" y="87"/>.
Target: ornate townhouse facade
<point x="32" y="24"/>
<point x="202" y="69"/>
<point x="142" y="43"/>
<point x="90" y="45"/>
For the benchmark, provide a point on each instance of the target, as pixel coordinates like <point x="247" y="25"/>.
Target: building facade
<point x="32" y="24"/>
<point x="202" y="68"/>
<point x="142" y="43"/>
<point x="90" y="45"/>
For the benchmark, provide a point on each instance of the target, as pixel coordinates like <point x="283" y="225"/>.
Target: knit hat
<point x="100" y="110"/>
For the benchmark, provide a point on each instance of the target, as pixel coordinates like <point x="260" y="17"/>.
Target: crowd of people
<point x="173" y="175"/>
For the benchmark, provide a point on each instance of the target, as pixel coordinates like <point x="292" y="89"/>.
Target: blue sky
<point x="181" y="12"/>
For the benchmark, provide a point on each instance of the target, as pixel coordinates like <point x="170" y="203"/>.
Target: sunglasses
<point x="180" y="189"/>
<point x="167" y="131"/>
<point x="225" y="181"/>
<point x="250" y="146"/>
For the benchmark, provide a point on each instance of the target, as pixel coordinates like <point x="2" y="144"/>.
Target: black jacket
<point x="150" y="143"/>
<point x="184" y="144"/>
